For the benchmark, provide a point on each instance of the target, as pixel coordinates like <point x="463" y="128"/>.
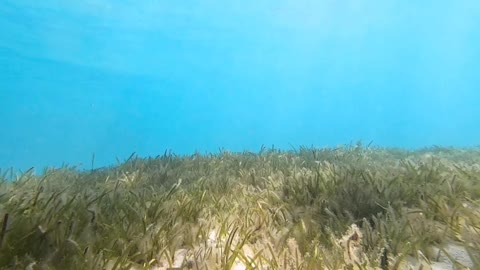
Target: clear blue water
<point x="112" y="77"/>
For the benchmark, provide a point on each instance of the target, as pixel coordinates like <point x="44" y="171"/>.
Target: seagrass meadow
<point x="352" y="207"/>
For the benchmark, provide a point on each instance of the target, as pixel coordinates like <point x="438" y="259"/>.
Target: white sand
<point x="457" y="252"/>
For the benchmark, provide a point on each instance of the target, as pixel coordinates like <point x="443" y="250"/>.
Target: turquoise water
<point x="115" y="77"/>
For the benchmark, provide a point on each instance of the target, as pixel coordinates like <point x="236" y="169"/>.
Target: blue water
<point x="112" y="77"/>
